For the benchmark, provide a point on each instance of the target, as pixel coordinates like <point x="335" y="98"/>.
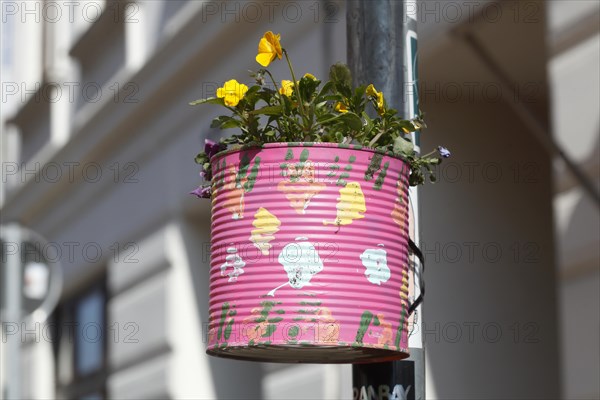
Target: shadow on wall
<point x="231" y="379"/>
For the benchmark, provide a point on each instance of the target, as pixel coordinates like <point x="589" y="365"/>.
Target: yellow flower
<point x="380" y="103"/>
<point x="287" y="88"/>
<point x="341" y="107"/>
<point x="371" y="91"/>
<point x="232" y="91"/>
<point x="269" y="48"/>
<point x="311" y="76"/>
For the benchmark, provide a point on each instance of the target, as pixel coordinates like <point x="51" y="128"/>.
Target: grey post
<point x="382" y="50"/>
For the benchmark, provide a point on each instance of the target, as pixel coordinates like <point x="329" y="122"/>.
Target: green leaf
<point x="210" y="100"/>
<point x="307" y="87"/>
<point x="327" y="87"/>
<point x="340" y="74"/>
<point x="403" y="146"/>
<point x="268" y="110"/>
<point x="201" y="158"/>
<point x="352" y="120"/>
<point x="225" y="122"/>
<point x="252" y="90"/>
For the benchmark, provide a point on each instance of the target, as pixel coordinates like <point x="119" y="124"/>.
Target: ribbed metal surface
<point x="309" y="255"/>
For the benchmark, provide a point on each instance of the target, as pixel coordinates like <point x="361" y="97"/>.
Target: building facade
<point x="98" y="142"/>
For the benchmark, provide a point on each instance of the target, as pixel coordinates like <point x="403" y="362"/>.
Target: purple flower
<point x="211" y="148"/>
<point x="202" y="192"/>
<point x="444" y="152"/>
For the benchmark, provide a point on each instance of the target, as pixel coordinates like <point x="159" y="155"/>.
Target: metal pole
<point x="382" y="49"/>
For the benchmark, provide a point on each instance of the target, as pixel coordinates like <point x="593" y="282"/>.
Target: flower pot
<point x="309" y="254"/>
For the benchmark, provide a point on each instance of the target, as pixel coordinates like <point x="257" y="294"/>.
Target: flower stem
<point x="375" y="139"/>
<point x="272" y="79"/>
<point x="296" y="87"/>
<point x="277" y="95"/>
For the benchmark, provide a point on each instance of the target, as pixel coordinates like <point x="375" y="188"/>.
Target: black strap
<point x="417" y="252"/>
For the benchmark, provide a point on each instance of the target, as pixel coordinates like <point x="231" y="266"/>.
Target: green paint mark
<point x="275" y="319"/>
<point x="270" y="329"/>
<point x="374" y="165"/>
<point x="376" y="321"/>
<point x="336" y="159"/>
<point x="220" y="181"/>
<point x="227" y="332"/>
<point x="341" y="181"/>
<point x="267" y="305"/>
<point x="268" y="342"/>
<point x="251" y="342"/>
<point x="399" y="331"/>
<point x="365" y="321"/>
<point x="381" y="177"/>
<point x="348" y="167"/>
<point x="309" y="144"/>
<point x="260" y="319"/>
<point x="298" y="319"/>
<point x="352" y="159"/>
<point x="308" y="311"/>
<point x="232" y="313"/>
<point x="243" y="171"/>
<point x="343" y="145"/>
<point x="291" y="341"/>
<point x="289" y="155"/>
<point x="279" y="311"/>
<point x="305" y="343"/>
<point x="223" y="345"/>
<point x="293" y="331"/>
<point x="224" y="310"/>
<point x="310" y="303"/>
<point x="358" y="147"/>
<point x="249" y="185"/>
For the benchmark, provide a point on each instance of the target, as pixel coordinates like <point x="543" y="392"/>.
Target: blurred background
<point x="97" y="152"/>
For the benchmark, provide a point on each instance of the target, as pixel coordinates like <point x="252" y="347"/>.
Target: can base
<point x="308" y="354"/>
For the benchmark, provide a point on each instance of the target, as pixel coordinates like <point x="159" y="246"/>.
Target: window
<point x="80" y="344"/>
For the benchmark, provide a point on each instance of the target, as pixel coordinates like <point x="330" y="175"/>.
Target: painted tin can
<point x="309" y="254"/>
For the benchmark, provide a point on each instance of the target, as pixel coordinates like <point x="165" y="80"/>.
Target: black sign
<point x="393" y="380"/>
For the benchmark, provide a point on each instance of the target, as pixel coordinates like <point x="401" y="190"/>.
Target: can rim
<point x="276" y="145"/>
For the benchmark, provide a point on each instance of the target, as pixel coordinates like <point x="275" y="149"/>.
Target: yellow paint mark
<point x="266" y="225"/>
<point x="351" y="204"/>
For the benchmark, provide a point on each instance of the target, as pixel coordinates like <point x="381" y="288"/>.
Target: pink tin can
<point x="309" y="254"/>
